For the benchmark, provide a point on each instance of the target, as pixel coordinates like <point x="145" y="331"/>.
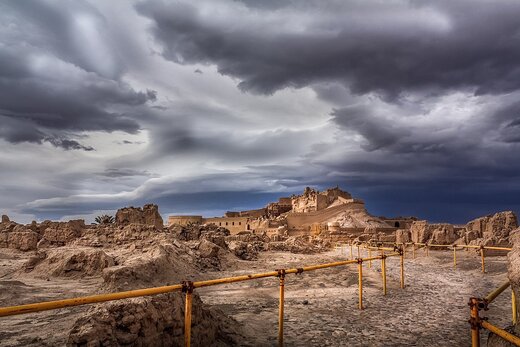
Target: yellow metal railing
<point x="478" y="323"/>
<point x="476" y="304"/>
<point x="187" y="287"/>
<point x="427" y="247"/>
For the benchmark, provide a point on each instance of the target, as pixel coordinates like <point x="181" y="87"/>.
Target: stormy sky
<point x="208" y="106"/>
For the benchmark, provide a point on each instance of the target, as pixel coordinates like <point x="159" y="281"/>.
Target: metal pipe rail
<point x="427" y="246"/>
<point x="478" y="323"/>
<point x="187" y="287"/>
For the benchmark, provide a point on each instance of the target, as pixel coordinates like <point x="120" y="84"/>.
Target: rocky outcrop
<point x="5" y="219"/>
<point x="492" y="229"/>
<point x="148" y="215"/>
<point x="152" y="321"/>
<point x="16" y="236"/>
<point x="61" y="233"/>
<point x="439" y="233"/>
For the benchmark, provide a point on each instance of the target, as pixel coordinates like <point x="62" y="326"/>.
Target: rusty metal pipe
<point x="475" y="323"/>
<point x="502" y="333"/>
<point x="383" y="271"/>
<point x="513" y="306"/>
<point x="280" y="309"/>
<point x="498" y="248"/>
<point x="455" y="256"/>
<point x="187" y="317"/>
<point x="92" y="299"/>
<point x="492" y="296"/>
<point x="360" y="283"/>
<point x="402" y="270"/>
<point x="482" y="256"/>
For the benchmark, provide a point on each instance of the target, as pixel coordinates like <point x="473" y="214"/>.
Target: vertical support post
<point x="281" y="276"/>
<point x="402" y="269"/>
<point x="413" y="249"/>
<point x="513" y="305"/>
<point x="475" y="322"/>
<point x="455" y="256"/>
<point x="383" y="271"/>
<point x="370" y="256"/>
<point x="358" y="255"/>
<point x="360" y="283"/>
<point x="482" y="256"/>
<point x="351" y="251"/>
<point x="187" y="288"/>
<point x="404" y="249"/>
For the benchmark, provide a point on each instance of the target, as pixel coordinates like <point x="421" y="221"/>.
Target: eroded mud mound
<point x="153" y="321"/>
<point x="69" y="262"/>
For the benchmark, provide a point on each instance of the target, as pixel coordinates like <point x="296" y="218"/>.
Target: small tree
<point x="105" y="219"/>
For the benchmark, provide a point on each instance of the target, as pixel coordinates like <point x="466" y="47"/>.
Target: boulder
<point x="148" y="214"/>
<point x="438" y="233"/>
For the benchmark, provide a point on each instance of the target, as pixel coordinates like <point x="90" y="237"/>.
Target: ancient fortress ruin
<point x="331" y="212"/>
<point x="336" y="215"/>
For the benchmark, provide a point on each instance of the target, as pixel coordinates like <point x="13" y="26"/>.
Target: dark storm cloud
<point x="377" y="132"/>
<point x="387" y="48"/>
<point x="59" y="75"/>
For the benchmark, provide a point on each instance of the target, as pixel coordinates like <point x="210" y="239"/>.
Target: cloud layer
<point x="215" y="105"/>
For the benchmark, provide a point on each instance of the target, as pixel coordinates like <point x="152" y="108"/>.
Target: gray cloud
<point x="60" y="76"/>
<point x="390" y="48"/>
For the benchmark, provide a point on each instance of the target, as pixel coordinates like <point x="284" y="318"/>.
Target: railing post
<point x="358" y="255"/>
<point x="402" y="268"/>
<point x="475" y="322"/>
<point x="360" y="283"/>
<point x="351" y="251"/>
<point x="281" y="276"/>
<point x="513" y="305"/>
<point x="187" y="288"/>
<point x="455" y="256"/>
<point x="370" y="256"/>
<point x="482" y="256"/>
<point x="383" y="270"/>
<point x="413" y="250"/>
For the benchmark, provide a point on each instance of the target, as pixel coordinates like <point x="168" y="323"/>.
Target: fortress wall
<point x="299" y="220"/>
<point x="233" y="224"/>
<point x="184" y="220"/>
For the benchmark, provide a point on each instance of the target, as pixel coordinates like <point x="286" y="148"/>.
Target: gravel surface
<point x="321" y="306"/>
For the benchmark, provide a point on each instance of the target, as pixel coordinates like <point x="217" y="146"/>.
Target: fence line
<point x="426" y="246"/>
<point x="187" y="287"/>
<point x="478" y="323"/>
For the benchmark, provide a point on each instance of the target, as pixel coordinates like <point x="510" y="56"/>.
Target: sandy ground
<point x="321" y="306"/>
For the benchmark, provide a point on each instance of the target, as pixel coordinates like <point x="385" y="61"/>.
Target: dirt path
<point x="321" y="306"/>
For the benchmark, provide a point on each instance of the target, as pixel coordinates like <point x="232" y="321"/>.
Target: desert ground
<point x="320" y="307"/>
